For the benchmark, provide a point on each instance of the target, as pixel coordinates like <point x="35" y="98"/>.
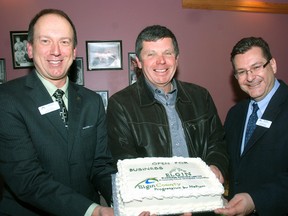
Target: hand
<point x="146" y="213"/>
<point x="103" y="211"/>
<point x="241" y="204"/>
<point x="218" y="173"/>
<point x="186" y="214"/>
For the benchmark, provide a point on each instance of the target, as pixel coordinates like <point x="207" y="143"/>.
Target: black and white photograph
<point x="2" y="71"/>
<point x="104" y="55"/>
<point x="133" y="70"/>
<point x="105" y="95"/>
<point x="80" y="71"/>
<point x="76" y="71"/>
<point x="19" y="50"/>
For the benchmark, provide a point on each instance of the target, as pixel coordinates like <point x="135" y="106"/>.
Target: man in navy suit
<point x="258" y="168"/>
<point x="51" y="167"/>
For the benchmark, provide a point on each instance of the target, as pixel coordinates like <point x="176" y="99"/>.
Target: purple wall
<point x="205" y="38"/>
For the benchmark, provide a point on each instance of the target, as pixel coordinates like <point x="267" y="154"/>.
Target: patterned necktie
<point x="251" y="123"/>
<point x="63" y="111"/>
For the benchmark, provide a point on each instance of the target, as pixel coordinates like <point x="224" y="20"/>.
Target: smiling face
<point x="52" y="49"/>
<point x="158" y="62"/>
<point x="257" y="86"/>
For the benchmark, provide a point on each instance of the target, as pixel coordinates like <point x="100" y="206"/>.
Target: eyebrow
<point x="250" y="65"/>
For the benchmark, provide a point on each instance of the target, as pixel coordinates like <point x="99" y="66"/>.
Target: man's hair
<point x="61" y="13"/>
<point x="246" y="44"/>
<point x="154" y="33"/>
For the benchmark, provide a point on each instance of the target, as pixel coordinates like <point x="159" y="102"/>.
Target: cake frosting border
<point x="119" y="196"/>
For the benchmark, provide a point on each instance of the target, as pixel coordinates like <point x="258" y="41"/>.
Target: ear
<point x="177" y="60"/>
<point x="74" y="53"/>
<point x="273" y="65"/>
<point x="139" y="64"/>
<point x="30" y="50"/>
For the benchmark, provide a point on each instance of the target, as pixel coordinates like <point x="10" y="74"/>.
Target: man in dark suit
<point x="258" y="167"/>
<point x="51" y="167"/>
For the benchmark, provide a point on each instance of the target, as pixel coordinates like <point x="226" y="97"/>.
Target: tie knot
<point x="255" y="107"/>
<point x="58" y="94"/>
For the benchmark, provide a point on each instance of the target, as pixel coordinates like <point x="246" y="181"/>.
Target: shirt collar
<point x="154" y="90"/>
<point x="264" y="102"/>
<point x="52" y="88"/>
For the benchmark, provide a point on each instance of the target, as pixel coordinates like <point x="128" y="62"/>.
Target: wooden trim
<point x="237" y="5"/>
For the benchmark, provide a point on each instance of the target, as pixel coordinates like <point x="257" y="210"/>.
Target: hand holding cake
<point x="217" y="173"/>
<point x="241" y="204"/>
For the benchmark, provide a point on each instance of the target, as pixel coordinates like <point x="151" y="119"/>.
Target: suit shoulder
<point x="236" y="111"/>
<point x="15" y="85"/>
<point x="240" y="105"/>
<point x="83" y="90"/>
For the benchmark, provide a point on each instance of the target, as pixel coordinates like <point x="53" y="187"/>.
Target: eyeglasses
<point x="256" y="69"/>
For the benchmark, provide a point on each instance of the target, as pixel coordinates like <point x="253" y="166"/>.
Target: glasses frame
<point x="245" y="72"/>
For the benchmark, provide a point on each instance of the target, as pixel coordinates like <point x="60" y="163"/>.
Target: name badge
<point x="264" y="123"/>
<point x="48" y="108"/>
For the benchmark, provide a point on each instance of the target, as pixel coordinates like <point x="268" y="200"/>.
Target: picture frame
<point x="105" y="96"/>
<point x="133" y="70"/>
<point x="80" y="71"/>
<point x="2" y="70"/>
<point x="20" y="56"/>
<point x="237" y="5"/>
<point x="104" y="55"/>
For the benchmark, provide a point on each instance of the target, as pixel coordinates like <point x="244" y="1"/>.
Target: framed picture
<point x="132" y="64"/>
<point x="19" y="50"/>
<point x="104" y="55"/>
<point x="80" y="71"/>
<point x="105" y="96"/>
<point x="2" y="71"/>
<point x="76" y="71"/>
<point x="133" y="70"/>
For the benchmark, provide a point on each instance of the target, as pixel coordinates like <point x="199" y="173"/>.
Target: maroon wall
<point x="205" y="38"/>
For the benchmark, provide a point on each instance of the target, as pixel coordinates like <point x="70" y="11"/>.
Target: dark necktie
<point x="251" y="123"/>
<point x="63" y="111"/>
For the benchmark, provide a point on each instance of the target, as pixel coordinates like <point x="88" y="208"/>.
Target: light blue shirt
<point x="179" y="146"/>
<point x="262" y="107"/>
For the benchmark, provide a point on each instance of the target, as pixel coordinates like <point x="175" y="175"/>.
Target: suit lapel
<point x="241" y="125"/>
<point x="41" y="97"/>
<point x="270" y="114"/>
<point x="74" y="108"/>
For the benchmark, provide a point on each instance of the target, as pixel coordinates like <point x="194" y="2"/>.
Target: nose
<point x="250" y="75"/>
<point x="161" y="59"/>
<point x="55" y="49"/>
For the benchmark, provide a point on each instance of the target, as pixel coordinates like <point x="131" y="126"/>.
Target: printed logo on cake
<point x="155" y="184"/>
<point x="147" y="183"/>
<point x="175" y="179"/>
<point x="178" y="173"/>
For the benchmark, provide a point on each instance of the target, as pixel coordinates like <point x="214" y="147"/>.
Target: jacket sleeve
<point x="120" y="138"/>
<point x="271" y="198"/>
<point x="216" y="145"/>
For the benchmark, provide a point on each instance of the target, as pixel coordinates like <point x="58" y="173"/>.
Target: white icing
<point x="165" y="186"/>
